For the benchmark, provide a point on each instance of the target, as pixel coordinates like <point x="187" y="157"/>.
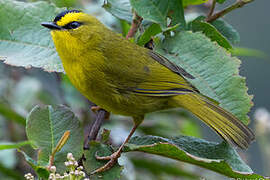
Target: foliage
<point x="225" y="87"/>
<point x="21" y="39"/>
<point x="201" y="48"/>
<point x="54" y="122"/>
<point x="218" y="157"/>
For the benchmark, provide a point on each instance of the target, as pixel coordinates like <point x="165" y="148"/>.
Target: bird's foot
<point x="95" y="110"/>
<point x="112" y="160"/>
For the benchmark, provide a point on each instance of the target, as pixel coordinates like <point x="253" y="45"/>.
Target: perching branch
<point x="237" y="4"/>
<point x="212" y="8"/>
<point x="95" y="127"/>
<point x="136" y="22"/>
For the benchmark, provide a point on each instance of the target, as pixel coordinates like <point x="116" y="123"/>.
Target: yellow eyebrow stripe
<point x="69" y="17"/>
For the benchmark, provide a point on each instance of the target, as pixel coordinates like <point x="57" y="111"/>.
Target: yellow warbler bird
<point x="124" y="78"/>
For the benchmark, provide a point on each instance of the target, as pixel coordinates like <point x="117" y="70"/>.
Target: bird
<point x="124" y="78"/>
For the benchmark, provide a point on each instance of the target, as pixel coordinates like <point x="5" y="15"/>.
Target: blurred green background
<point x="253" y="24"/>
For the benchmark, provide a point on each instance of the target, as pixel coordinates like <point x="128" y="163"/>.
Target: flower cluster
<point x="29" y="176"/>
<point x="75" y="172"/>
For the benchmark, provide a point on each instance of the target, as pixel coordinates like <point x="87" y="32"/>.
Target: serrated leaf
<point x="211" y="32"/>
<point x="92" y="163"/>
<point x="24" y="42"/>
<point x="44" y="128"/>
<point x="11" y="145"/>
<point x="227" y="30"/>
<point x="193" y="2"/>
<point x="216" y="72"/>
<point x="119" y="8"/>
<point x="220" y="158"/>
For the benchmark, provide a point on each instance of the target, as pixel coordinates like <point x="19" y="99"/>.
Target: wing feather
<point x="165" y="79"/>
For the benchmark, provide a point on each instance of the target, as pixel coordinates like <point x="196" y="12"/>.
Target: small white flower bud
<point x="66" y="163"/>
<point x="82" y="174"/>
<point x="69" y="156"/>
<point x="76" y="173"/>
<point x="53" y="169"/>
<point x="51" y="176"/>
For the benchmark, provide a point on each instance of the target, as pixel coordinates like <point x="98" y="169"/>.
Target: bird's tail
<point x="223" y="122"/>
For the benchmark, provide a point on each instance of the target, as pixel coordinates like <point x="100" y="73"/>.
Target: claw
<point x="95" y="110"/>
<point x="112" y="160"/>
<point x="106" y="167"/>
<point x="113" y="157"/>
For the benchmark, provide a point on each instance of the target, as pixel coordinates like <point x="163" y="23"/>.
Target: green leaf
<point x="151" y="31"/>
<point x="241" y="51"/>
<point x="23" y="41"/>
<point x="176" y="12"/>
<point x="159" y="167"/>
<point x="44" y="128"/>
<point x="40" y="170"/>
<point x="193" y="2"/>
<point x="216" y="72"/>
<point x="11" y="145"/>
<point x="227" y="30"/>
<point x="119" y="8"/>
<point x="211" y="32"/>
<point x="10" y="114"/>
<point x="190" y="128"/>
<point x="64" y="3"/>
<point x="221" y="1"/>
<point x="157" y="11"/>
<point x="220" y="158"/>
<point x="92" y="163"/>
<point x="7" y="155"/>
<point x="125" y="27"/>
<point x="153" y="10"/>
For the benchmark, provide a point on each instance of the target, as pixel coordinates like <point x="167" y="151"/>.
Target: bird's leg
<point x="96" y="108"/>
<point x="113" y="157"/>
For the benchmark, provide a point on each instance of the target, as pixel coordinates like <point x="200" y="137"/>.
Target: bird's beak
<point x="51" y="25"/>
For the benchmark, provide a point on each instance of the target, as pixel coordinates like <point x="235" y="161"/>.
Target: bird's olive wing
<point x="165" y="62"/>
<point x="164" y="79"/>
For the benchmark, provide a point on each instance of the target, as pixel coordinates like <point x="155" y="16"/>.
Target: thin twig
<point x="212" y="8"/>
<point x="237" y="4"/>
<point x="136" y="22"/>
<point x="95" y="127"/>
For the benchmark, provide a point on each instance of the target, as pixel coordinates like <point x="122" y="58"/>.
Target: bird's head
<point x="71" y="28"/>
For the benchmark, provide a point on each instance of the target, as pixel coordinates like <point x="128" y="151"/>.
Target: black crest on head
<point x="62" y="14"/>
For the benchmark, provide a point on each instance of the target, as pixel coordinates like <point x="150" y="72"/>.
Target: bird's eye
<point x="72" y="25"/>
